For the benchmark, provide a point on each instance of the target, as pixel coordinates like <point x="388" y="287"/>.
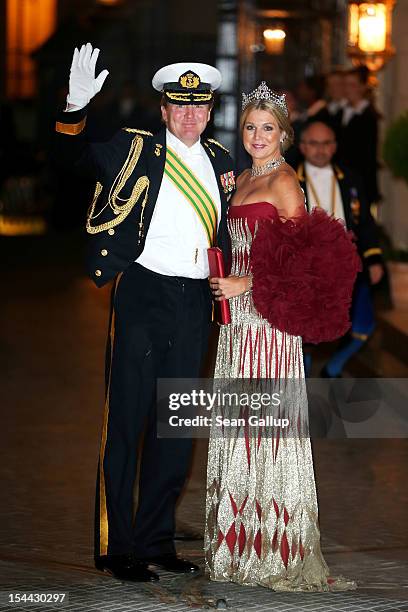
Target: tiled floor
<point x="51" y="359"/>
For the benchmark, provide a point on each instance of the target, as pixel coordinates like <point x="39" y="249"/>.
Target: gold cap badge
<point x="189" y="80"/>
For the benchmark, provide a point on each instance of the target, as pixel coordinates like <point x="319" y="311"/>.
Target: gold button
<point x="111" y="231"/>
<point x="98" y="273"/>
<point x="104" y="252"/>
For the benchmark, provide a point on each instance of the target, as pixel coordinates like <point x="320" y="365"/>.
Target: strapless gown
<point x="261" y="505"/>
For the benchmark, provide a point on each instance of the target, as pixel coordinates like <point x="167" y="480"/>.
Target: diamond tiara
<point x="262" y="92"/>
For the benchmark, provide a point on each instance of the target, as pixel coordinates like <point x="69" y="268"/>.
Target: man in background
<point x="358" y="135"/>
<point x="339" y="191"/>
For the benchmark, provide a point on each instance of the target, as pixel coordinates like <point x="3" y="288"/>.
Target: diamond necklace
<point x="270" y="165"/>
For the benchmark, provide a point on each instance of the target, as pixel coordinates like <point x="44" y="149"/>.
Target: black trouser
<point x="159" y="329"/>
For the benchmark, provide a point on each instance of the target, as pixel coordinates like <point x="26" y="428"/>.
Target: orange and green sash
<point x="194" y="191"/>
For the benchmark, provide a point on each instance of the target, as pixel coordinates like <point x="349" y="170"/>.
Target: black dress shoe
<point x="125" y="567"/>
<point x="172" y="563"/>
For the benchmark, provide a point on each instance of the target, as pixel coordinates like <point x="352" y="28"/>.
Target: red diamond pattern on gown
<point x="241" y="539"/>
<point x="231" y="538"/>
<point x="284" y="549"/>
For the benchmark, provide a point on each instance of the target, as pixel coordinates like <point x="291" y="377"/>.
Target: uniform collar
<point x="180" y="148"/>
<point x="301" y="172"/>
<point x="316" y="170"/>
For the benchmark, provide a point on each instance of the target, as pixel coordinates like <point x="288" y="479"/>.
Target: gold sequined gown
<point x="261" y="507"/>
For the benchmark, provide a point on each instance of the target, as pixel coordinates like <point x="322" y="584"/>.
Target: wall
<point x="393" y="100"/>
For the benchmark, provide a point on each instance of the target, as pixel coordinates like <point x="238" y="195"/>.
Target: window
<point x="29" y="23"/>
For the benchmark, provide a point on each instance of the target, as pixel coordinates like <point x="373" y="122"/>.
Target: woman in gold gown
<point x="261" y="507"/>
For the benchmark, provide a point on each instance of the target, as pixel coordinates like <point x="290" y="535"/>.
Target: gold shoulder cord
<point x="209" y="148"/>
<point x="121" y="210"/>
<point x="218" y="144"/>
<point x="137" y="131"/>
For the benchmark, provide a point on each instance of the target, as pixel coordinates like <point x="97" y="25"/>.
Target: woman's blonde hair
<point x="281" y="119"/>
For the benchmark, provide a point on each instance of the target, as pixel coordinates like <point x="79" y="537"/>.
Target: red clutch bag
<point x="217" y="270"/>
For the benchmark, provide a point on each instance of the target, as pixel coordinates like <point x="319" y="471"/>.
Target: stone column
<point x="392" y="101"/>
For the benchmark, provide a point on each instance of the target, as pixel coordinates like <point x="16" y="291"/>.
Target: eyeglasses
<point x="318" y="143"/>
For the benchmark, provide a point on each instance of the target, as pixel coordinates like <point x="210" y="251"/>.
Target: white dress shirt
<point x="334" y="106"/>
<point x="321" y="179"/>
<point x="176" y="243"/>
<point x="349" y="111"/>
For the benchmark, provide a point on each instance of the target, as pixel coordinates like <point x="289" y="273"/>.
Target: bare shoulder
<point x="284" y="178"/>
<point x="286" y="191"/>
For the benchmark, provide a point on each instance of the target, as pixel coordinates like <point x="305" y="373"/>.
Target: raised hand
<point x="82" y="82"/>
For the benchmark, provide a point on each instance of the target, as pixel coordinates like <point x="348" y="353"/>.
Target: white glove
<point x="82" y="82"/>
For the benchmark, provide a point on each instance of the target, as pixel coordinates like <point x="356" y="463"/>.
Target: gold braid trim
<point x="121" y="210"/>
<point x="218" y="144"/>
<point x="209" y="148"/>
<point x="189" y="96"/>
<point x="136" y="131"/>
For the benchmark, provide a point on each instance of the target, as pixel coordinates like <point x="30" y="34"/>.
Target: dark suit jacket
<point x="116" y="240"/>
<point x="357" y="149"/>
<point x="356" y="212"/>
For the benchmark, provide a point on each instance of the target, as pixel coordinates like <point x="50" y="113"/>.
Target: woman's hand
<point x="226" y="288"/>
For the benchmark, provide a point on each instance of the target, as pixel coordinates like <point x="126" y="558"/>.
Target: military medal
<point x="228" y="181"/>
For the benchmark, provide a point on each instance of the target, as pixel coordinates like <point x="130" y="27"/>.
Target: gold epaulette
<point x="218" y="144"/>
<point x="372" y="251"/>
<point x="339" y="173"/>
<point x="135" y="131"/>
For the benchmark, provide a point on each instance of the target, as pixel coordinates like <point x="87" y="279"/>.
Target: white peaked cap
<point x="173" y="72"/>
